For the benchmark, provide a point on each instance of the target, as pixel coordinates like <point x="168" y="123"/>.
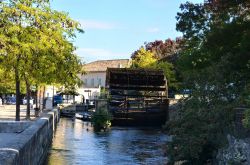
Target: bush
<point x="246" y="120"/>
<point x="102" y="119"/>
<point x="199" y="131"/>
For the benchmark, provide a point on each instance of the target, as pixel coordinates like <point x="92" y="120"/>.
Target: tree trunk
<point x="39" y="96"/>
<point x="28" y="100"/>
<point x="43" y="98"/>
<point x="18" y="96"/>
<point x="36" y="96"/>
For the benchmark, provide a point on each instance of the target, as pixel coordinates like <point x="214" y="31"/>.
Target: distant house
<point x="95" y="77"/>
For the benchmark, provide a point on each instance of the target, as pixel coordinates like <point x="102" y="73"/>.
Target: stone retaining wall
<point x="237" y="152"/>
<point x="13" y="127"/>
<point x="31" y="145"/>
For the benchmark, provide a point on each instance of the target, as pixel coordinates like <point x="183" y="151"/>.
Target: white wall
<point x="88" y="93"/>
<point x="181" y="96"/>
<point x="88" y="89"/>
<point x="49" y="91"/>
<point x="94" y="76"/>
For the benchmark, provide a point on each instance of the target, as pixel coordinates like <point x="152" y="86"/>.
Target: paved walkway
<point x="8" y="112"/>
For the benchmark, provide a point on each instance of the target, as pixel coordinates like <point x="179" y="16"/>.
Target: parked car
<point x="25" y="101"/>
<point x="11" y="100"/>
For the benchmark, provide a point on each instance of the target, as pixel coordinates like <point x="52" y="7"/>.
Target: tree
<point x="210" y="48"/>
<point x="34" y="38"/>
<point x="167" y="50"/>
<point x="146" y="59"/>
<point x="167" y="54"/>
<point x="215" y="65"/>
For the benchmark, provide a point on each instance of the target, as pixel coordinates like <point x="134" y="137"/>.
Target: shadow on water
<point x="75" y="142"/>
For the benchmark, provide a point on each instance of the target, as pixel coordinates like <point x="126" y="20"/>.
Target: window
<point x="99" y="81"/>
<point x="92" y="82"/>
<point x="85" y="83"/>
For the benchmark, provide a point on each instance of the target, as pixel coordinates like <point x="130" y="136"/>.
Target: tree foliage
<point x="101" y="119"/>
<point x="6" y="82"/>
<point x="167" y="50"/>
<point x="147" y="59"/>
<point x="214" y="63"/>
<point x="144" y="59"/>
<point x="35" y="44"/>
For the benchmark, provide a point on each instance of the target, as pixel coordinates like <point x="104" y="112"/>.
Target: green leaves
<point x="199" y="131"/>
<point x="246" y="120"/>
<point x="35" y="40"/>
<point x="222" y="47"/>
<point x="101" y="119"/>
<point x="39" y="33"/>
<point x="215" y="66"/>
<point x="146" y="59"/>
<point x="35" y="45"/>
<point x="192" y="21"/>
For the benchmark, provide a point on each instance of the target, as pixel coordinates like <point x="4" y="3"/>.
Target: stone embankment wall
<point x="238" y="149"/>
<point x="237" y="152"/>
<point x="27" y="143"/>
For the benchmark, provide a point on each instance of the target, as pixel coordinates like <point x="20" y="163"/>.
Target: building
<point x="93" y="81"/>
<point x="95" y="78"/>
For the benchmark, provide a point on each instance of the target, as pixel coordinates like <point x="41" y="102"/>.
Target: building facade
<point x="95" y="78"/>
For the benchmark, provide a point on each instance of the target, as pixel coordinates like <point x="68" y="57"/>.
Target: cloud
<point x="92" y="54"/>
<point x="93" y="24"/>
<point x="153" y="30"/>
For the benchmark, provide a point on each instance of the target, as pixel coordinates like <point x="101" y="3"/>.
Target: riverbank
<point x="27" y="142"/>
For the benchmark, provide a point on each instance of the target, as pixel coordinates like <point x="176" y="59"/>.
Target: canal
<point x="75" y="142"/>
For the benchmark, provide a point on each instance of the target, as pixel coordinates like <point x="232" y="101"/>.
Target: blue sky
<point x="116" y="28"/>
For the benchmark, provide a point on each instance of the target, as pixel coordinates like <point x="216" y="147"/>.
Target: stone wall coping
<point x="13" y="144"/>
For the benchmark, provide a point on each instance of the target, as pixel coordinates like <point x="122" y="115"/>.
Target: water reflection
<point x="75" y="142"/>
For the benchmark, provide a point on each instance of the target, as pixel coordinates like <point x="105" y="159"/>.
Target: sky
<point x="114" y="29"/>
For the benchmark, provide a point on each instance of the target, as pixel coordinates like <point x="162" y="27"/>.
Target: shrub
<point x="199" y="131"/>
<point x="102" y="119"/>
<point x="246" y="120"/>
